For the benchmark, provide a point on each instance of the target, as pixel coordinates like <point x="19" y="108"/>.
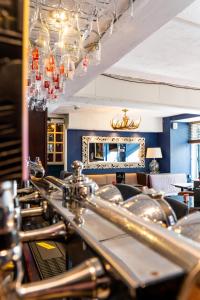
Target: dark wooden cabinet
<point x="11" y="100"/>
<point x="38" y="136"/>
<point x="143" y="179"/>
<point x="120" y="177"/>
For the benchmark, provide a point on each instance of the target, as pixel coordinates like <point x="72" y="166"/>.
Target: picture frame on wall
<point x="98" y="146"/>
<point x="98" y="151"/>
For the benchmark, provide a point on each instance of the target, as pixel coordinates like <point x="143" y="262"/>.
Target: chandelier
<point x="65" y="38"/>
<point x="124" y="122"/>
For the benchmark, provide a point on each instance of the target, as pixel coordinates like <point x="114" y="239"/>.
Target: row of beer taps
<point x="69" y="284"/>
<point x="78" y="193"/>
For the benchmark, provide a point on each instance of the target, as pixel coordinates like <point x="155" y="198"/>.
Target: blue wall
<point x="180" y="149"/>
<point x="174" y="145"/>
<point x="173" y="142"/>
<point x="164" y="144"/>
<point x="54" y="170"/>
<point x="74" y="147"/>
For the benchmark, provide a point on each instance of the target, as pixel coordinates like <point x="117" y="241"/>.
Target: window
<point x="195" y="160"/>
<point x="194" y="133"/>
<point x="55" y="142"/>
<point x="195" y="149"/>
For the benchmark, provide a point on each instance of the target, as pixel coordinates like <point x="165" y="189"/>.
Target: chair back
<point x="127" y="190"/>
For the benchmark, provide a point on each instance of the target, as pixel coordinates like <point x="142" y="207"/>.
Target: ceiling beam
<point x="111" y="92"/>
<point x="149" y="16"/>
<point x="188" y="22"/>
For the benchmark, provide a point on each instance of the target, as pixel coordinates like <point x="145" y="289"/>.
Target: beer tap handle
<point x="77" y="167"/>
<point x="32" y="212"/>
<point x="35" y="211"/>
<point x="33" y="197"/>
<point x="57" y="230"/>
<point x="60" y="286"/>
<point x="35" y="168"/>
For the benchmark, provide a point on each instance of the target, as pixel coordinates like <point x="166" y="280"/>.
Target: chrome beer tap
<point x="10" y="248"/>
<point x="33" y="197"/>
<point x="43" y="209"/>
<point x="36" y="168"/>
<point x="8" y="222"/>
<point x="49" y="232"/>
<point x="56" y="230"/>
<point x="86" y="279"/>
<point x="68" y="284"/>
<point x="35" y="211"/>
<point x="77" y="186"/>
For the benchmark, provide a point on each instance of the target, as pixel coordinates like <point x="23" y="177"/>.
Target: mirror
<point x="113" y="152"/>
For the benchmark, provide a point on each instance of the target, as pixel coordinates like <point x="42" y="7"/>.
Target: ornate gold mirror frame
<point x="87" y="140"/>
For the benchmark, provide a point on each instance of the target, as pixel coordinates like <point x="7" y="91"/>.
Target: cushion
<point x="110" y="178"/>
<point x="131" y="178"/>
<point x="180" y="209"/>
<point x="99" y="179"/>
<point x="127" y="190"/>
<point x="103" y="179"/>
<point x="164" y="182"/>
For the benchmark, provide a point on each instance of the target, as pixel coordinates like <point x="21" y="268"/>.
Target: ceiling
<point x="146" y="110"/>
<point x="159" y="50"/>
<point x="171" y="54"/>
<point x="104" y="110"/>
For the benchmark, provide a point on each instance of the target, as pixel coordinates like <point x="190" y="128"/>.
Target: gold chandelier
<point x="125" y="123"/>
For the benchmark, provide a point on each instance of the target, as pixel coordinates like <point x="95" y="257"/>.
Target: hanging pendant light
<point x="65" y="38"/>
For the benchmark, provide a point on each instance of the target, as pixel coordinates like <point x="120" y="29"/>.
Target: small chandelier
<point x="125" y="123"/>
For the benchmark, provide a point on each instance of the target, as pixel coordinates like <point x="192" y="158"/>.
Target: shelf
<point x="55" y="142"/>
<point x="55" y="156"/>
<point x="55" y="163"/>
<point x="10" y="37"/>
<point x="10" y="33"/>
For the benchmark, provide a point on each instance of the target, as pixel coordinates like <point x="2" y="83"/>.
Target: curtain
<point x="194" y="133"/>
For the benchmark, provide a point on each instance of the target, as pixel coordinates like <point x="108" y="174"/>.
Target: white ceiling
<point x="148" y="17"/>
<point x="88" y="109"/>
<point x="171" y="54"/>
<point x="146" y="111"/>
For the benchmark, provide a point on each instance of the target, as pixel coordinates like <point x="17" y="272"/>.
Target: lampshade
<point x="154" y="153"/>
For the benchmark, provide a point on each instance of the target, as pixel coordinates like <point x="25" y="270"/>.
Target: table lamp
<point x="154" y="153"/>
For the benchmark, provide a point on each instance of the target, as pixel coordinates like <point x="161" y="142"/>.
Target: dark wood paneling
<point x="38" y="136"/>
<point x="11" y="118"/>
<point x="10" y="121"/>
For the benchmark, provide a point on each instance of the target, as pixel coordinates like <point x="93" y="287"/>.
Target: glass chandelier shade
<point x="65" y="36"/>
<point x="39" y="33"/>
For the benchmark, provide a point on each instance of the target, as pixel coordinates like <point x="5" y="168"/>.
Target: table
<point x="187" y="186"/>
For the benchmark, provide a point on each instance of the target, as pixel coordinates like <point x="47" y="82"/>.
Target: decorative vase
<point x="154" y="167"/>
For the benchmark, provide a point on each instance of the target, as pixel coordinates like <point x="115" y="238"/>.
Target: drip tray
<point x="49" y="257"/>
